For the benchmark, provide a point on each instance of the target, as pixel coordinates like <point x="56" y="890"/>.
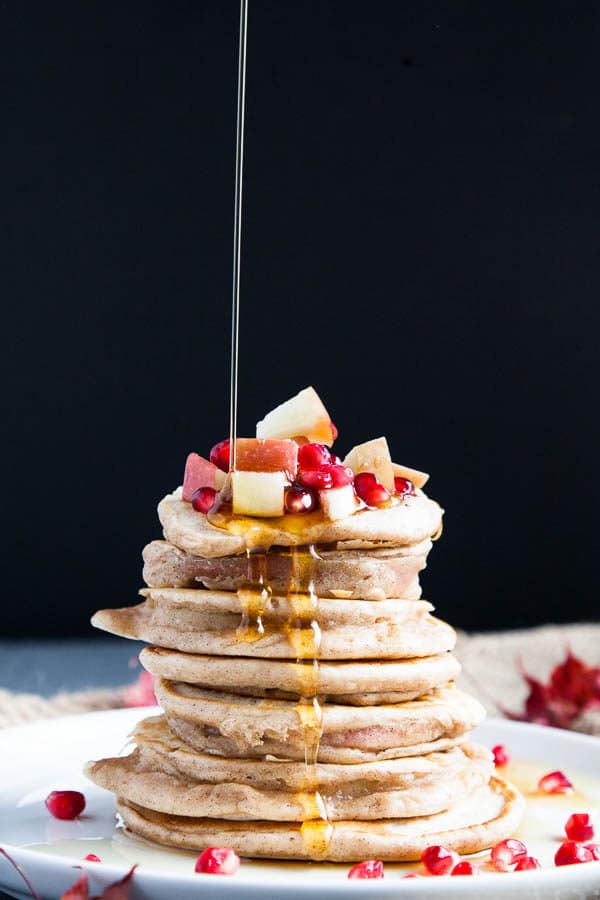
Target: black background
<point x="420" y="243"/>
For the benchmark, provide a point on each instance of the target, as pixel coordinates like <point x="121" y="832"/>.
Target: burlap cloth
<point x="489" y="664"/>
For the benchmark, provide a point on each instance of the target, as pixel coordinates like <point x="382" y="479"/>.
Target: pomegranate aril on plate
<point x="299" y="499"/>
<point x="527" y="862"/>
<point x="370" y="868"/>
<point x="438" y="860"/>
<point x="313" y="456"/>
<point x="65" y="804"/>
<point x="217" y="861"/>
<point x="501" y="755"/>
<point x="318" y="479"/>
<point x="507" y="853"/>
<point x="220" y="455"/>
<point x="203" y="499"/>
<point x="370" y="489"/>
<point x="403" y="485"/>
<point x="91" y="857"/>
<point x="579" y="827"/>
<point x="555" y="783"/>
<point x="571" y="852"/>
<point x="464" y="868"/>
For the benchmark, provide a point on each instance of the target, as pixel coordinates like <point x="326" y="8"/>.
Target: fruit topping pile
<point x="289" y="467"/>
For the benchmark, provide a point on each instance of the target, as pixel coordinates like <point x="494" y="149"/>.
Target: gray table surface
<point x="72" y="664"/>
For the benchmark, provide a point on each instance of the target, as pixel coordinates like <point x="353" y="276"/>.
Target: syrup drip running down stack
<point x="308" y="696"/>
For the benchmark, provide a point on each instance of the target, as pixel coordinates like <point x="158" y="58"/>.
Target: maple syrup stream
<point x="302" y="627"/>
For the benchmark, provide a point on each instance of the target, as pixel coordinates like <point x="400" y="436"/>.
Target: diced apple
<point x="338" y="503"/>
<point x="303" y="416"/>
<point x="417" y="478"/>
<point x="373" y="456"/>
<point x="259" y="455"/>
<point x="258" y="493"/>
<point x="199" y="473"/>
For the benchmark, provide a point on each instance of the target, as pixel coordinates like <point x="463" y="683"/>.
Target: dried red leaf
<point x="141" y="692"/>
<point x="119" y="890"/>
<point x="79" y="891"/>
<point x="573" y="688"/>
<point x="18" y="868"/>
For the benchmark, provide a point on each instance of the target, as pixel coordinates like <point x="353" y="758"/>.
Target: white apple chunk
<point x="302" y="416"/>
<point x="373" y="456"/>
<point x="258" y="493"/>
<point x="417" y="478"/>
<point x="338" y="503"/>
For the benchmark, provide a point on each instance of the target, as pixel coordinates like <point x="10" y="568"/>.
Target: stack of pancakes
<point x="308" y="697"/>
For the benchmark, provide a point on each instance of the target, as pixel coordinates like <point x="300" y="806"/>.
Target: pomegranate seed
<point x="464" y="868"/>
<point x="300" y="500"/>
<point x="335" y="460"/>
<point x="594" y="850"/>
<point x="569" y="853"/>
<point x="370" y="489"/>
<point x="319" y="479"/>
<point x="203" y="499"/>
<point x="220" y="455"/>
<point x="507" y="853"/>
<point x="555" y="783"/>
<point x="403" y="485"/>
<point x="501" y="755"/>
<point x="438" y="860"/>
<point x="217" y="861"/>
<point x="65" y="804"/>
<point x="579" y="827"/>
<point x="313" y="456"/>
<point x="340" y="475"/>
<point x="91" y="857"/>
<point x="370" y="868"/>
<point x="527" y="862"/>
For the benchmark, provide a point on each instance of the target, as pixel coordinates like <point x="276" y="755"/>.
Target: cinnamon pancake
<point x="208" y="622"/>
<point x="354" y="683"/>
<point x="354" y="574"/>
<point x="478" y="821"/>
<point x="230" y="725"/>
<point x="410" y="520"/>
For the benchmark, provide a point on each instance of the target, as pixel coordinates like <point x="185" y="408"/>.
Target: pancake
<point x="235" y="726"/>
<point x="412" y="519"/>
<point x="354" y="683"/>
<point x="207" y="622"/>
<point x="366" y="574"/>
<point x="477" y="822"/>
<point x="167" y="777"/>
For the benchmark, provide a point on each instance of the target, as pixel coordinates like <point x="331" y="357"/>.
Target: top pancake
<point x="409" y="521"/>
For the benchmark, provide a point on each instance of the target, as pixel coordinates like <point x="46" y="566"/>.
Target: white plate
<point x="48" y="755"/>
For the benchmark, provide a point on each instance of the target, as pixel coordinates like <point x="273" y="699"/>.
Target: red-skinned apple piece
<point x="260" y="455"/>
<point x="199" y="473"/>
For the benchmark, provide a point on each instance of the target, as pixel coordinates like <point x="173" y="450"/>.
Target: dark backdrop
<point x="420" y="242"/>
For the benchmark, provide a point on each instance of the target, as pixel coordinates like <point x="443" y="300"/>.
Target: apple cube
<point x="417" y="478"/>
<point x="303" y="416"/>
<point x="199" y="473"/>
<point x="338" y="503"/>
<point x="259" y="455"/>
<point x="258" y="493"/>
<point x="373" y="456"/>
